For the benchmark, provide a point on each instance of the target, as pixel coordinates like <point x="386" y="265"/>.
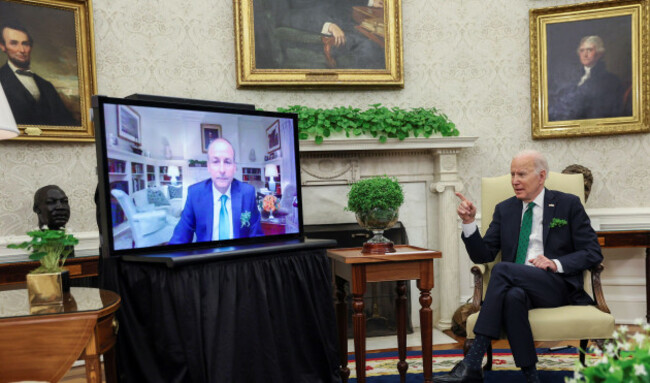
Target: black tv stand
<point x="263" y="318"/>
<point x="186" y="257"/>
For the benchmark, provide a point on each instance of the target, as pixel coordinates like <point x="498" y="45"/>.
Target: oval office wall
<point x="468" y="60"/>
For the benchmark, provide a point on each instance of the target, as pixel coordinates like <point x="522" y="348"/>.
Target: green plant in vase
<point x="51" y="248"/>
<point x="375" y="202"/>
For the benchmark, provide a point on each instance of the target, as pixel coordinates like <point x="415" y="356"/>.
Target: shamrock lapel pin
<point x="245" y="219"/>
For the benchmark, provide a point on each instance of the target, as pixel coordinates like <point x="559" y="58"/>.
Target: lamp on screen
<point x="271" y="171"/>
<point x="8" y="127"/>
<point x="174" y="172"/>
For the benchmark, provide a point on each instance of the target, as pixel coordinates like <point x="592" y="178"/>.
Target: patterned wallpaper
<point x="468" y="58"/>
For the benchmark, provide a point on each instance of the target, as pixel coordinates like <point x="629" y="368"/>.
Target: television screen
<point x="178" y="176"/>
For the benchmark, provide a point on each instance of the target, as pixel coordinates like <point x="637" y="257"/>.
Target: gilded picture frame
<point x="62" y="66"/>
<point x="278" y="44"/>
<point x="209" y="133"/>
<point x="128" y="124"/>
<point x="589" y="69"/>
<point x="273" y="136"/>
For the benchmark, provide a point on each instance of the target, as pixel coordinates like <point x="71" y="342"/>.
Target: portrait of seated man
<point x="591" y="91"/>
<point x="284" y="27"/>
<point x="32" y="99"/>
<point x="219" y="207"/>
<point x="540" y="268"/>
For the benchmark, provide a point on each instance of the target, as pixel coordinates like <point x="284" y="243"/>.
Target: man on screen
<point x="220" y="207"/>
<point x="33" y="100"/>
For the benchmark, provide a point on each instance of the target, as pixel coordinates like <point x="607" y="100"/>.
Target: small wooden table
<point x="44" y="346"/>
<point x="409" y="262"/>
<point x="632" y="238"/>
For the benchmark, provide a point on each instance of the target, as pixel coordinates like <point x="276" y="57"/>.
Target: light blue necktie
<point x="224" y="221"/>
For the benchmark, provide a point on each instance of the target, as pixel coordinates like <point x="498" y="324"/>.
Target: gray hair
<point x="538" y="159"/>
<point x="595" y="40"/>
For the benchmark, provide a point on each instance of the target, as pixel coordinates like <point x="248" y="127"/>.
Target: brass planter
<point x="44" y="289"/>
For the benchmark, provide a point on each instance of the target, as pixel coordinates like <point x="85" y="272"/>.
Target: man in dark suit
<point x="33" y="100"/>
<point x="546" y="242"/>
<point x="591" y="91"/>
<point x="220" y="207"/>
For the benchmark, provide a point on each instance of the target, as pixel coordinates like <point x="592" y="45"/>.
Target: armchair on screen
<point x="148" y="228"/>
<point x="548" y="324"/>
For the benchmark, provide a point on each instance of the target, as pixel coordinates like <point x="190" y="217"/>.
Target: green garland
<point x="378" y="121"/>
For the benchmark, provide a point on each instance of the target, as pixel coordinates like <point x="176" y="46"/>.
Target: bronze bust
<point x="51" y="206"/>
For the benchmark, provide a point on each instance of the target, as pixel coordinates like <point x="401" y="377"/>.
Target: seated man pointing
<point x="541" y="266"/>
<point x="220" y="207"/>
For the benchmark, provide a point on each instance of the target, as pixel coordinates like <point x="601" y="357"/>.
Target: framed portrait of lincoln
<point x="587" y="72"/>
<point x="47" y="67"/>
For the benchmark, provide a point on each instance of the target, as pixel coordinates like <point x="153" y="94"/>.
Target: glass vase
<point x="377" y="220"/>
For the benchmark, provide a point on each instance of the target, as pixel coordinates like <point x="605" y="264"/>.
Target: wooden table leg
<point x="400" y="312"/>
<point x="425" y="284"/>
<point x="93" y="366"/>
<point x="342" y="320"/>
<point x="359" y="320"/>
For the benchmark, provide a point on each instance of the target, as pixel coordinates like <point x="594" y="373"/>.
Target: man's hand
<point x="339" y="35"/>
<point x="466" y="210"/>
<point x="544" y="263"/>
<point x="378" y="3"/>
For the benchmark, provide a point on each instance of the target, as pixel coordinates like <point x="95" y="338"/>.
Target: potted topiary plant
<point x="375" y="202"/>
<point x="51" y="248"/>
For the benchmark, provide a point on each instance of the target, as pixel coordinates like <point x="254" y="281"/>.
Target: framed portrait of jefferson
<point x="47" y="68"/>
<point x="587" y="76"/>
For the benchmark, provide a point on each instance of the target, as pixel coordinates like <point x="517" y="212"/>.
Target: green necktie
<point x="524" y="234"/>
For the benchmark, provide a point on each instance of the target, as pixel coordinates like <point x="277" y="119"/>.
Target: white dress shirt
<point x="536" y="239"/>
<point x="216" y="210"/>
<point x="585" y="76"/>
<point x="28" y="81"/>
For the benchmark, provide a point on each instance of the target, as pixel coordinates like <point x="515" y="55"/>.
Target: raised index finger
<point x="462" y="197"/>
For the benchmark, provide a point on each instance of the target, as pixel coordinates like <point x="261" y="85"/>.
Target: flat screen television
<point x="175" y="177"/>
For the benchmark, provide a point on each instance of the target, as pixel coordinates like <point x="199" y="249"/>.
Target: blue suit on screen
<point x="197" y="216"/>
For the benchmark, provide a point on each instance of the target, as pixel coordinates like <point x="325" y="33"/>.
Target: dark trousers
<point x="512" y="291"/>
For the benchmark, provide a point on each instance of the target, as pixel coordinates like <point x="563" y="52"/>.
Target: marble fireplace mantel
<point x="427" y="168"/>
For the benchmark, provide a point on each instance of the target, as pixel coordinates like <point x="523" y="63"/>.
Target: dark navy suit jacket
<point x="49" y="110"/>
<point x="575" y="244"/>
<point x="197" y="216"/>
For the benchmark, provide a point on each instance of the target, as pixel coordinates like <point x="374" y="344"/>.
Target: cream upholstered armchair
<point x="548" y="324"/>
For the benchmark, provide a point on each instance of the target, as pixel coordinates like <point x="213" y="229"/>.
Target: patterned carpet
<point x="381" y="367"/>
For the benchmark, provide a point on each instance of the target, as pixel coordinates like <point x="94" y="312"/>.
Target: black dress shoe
<point x="460" y="374"/>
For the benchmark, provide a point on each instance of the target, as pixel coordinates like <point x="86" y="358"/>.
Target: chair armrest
<point x="477" y="298"/>
<point x="145" y="208"/>
<point x="598" y="288"/>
